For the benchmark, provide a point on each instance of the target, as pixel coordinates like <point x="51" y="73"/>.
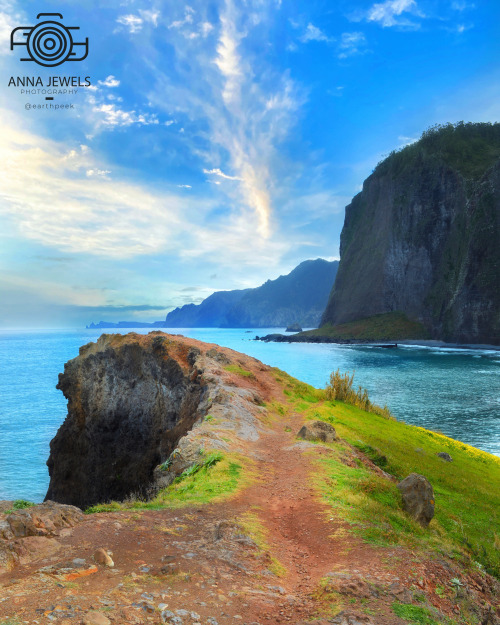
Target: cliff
<point x="272" y="502"/>
<point x="299" y="297"/>
<point x="422" y="238"/>
<point x="132" y="400"/>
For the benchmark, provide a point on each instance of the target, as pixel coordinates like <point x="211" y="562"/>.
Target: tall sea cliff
<point x="423" y="238"/>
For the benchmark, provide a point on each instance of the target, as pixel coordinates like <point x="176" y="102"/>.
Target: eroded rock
<point x="318" y="430"/>
<point x="418" y="498"/>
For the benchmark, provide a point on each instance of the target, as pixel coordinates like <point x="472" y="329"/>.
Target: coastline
<point x="298" y="338"/>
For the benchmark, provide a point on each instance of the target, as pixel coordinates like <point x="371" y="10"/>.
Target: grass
<point x="19" y="504"/>
<point x="393" y="326"/>
<point x="239" y="370"/>
<point x="253" y="527"/>
<point x="416" y="615"/>
<point x="467" y="505"/>
<point x="214" y="479"/>
<point x="341" y="388"/>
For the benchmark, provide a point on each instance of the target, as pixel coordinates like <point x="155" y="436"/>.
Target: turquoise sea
<point x="454" y="391"/>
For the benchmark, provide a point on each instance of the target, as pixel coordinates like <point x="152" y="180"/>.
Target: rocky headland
<point x="219" y="490"/>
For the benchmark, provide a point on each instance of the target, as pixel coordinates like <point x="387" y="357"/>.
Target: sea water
<point x="453" y="391"/>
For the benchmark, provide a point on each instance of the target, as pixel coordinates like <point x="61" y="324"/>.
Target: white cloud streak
<point x="313" y="33"/>
<point x="389" y="13"/>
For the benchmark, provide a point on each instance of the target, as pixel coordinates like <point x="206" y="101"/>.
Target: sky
<point x="218" y="143"/>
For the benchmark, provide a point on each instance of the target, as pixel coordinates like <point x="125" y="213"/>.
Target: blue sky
<point x="219" y="142"/>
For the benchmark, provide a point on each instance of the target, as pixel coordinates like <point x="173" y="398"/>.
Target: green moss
<point x="393" y="326"/>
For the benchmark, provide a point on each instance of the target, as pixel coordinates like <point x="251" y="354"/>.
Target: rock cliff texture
<point x="132" y="400"/>
<point x="299" y="297"/>
<point x="423" y="238"/>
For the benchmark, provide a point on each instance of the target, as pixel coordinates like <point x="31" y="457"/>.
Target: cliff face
<point x="128" y="404"/>
<point x="423" y="238"/>
<point x="132" y="401"/>
<point x="299" y="297"/>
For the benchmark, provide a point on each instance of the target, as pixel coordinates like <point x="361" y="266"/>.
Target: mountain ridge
<point x="298" y="297"/>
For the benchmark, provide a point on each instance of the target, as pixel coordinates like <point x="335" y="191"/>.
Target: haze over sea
<point x="454" y="391"/>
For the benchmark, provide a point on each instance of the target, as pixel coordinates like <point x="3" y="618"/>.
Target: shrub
<point x="341" y="388"/>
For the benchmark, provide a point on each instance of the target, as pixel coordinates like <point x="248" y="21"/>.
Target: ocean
<point x="453" y="391"/>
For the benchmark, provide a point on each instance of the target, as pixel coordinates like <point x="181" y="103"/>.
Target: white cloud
<point x="60" y="198"/>
<point x="111" y="115"/>
<point x="103" y="173"/>
<point x="135" y="23"/>
<point x="404" y="141"/>
<point x="313" y="33"/>
<point x="351" y="44"/>
<point x="389" y="13"/>
<point x="221" y="174"/>
<point x="206" y="28"/>
<point x="150" y="16"/>
<point x="184" y="186"/>
<point x="132" y="22"/>
<point x="110" y="82"/>
<point x="187" y="19"/>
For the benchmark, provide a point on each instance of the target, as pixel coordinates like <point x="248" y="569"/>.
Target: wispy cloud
<point x="313" y="33"/>
<point x="221" y="174"/>
<point x="390" y="13"/>
<point x="462" y="5"/>
<point x="351" y="44"/>
<point x="112" y="116"/>
<point x="246" y="107"/>
<point x="110" y="81"/>
<point x="135" y="23"/>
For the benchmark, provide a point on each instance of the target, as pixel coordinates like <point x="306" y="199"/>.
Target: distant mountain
<point x="423" y="238"/>
<point x="299" y="297"/>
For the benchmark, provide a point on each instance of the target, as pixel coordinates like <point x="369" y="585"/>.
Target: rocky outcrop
<point x="299" y="297"/>
<point x="422" y="238"/>
<point x="418" y="498"/>
<point x="132" y="401"/>
<point x="30" y="533"/>
<point x="318" y="431"/>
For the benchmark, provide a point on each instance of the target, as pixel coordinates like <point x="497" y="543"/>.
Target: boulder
<point x="45" y="519"/>
<point x="318" y="430"/>
<point x="418" y="498"/>
<point x="445" y="456"/>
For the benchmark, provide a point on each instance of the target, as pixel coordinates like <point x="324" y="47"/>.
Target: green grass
<point x="416" y="615"/>
<point x="239" y="370"/>
<point x="393" y="326"/>
<point x="19" y="504"/>
<point x="216" y="478"/>
<point x="467" y="511"/>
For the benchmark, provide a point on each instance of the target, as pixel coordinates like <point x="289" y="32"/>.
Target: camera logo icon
<point x="49" y="43"/>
